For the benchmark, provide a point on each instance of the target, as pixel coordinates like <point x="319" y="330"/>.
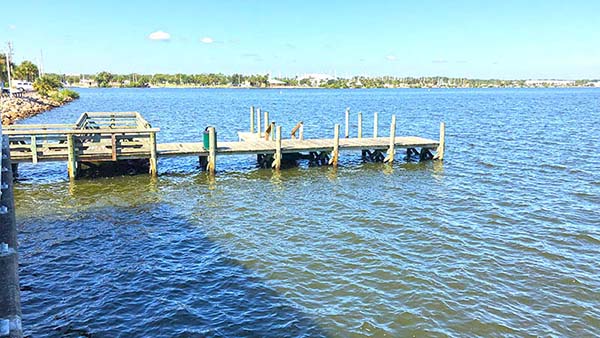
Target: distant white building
<point x="274" y="82"/>
<point x="316" y="78"/>
<point x="549" y="82"/>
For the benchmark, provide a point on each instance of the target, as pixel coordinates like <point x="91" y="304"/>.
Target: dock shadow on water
<point x="136" y="268"/>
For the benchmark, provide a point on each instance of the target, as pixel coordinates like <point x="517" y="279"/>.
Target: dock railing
<point x="95" y="137"/>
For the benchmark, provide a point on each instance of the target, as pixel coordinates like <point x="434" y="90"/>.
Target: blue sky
<point x="474" y="39"/>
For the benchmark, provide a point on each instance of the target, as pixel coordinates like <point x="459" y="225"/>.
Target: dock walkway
<point x="117" y="137"/>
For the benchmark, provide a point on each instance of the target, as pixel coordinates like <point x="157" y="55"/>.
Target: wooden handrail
<point x="81" y="131"/>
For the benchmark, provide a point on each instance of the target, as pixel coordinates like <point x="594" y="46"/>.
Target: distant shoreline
<point x="304" y="87"/>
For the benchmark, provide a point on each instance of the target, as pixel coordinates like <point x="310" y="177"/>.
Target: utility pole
<point x="8" y="56"/>
<point x="41" y="69"/>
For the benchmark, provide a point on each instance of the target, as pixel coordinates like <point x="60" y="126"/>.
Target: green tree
<point x="3" y="69"/>
<point x="47" y="84"/>
<point x="27" y="70"/>
<point x="104" y="79"/>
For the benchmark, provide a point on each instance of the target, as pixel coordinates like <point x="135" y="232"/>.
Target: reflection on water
<point x="495" y="241"/>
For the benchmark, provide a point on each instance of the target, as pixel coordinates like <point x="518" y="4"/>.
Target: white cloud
<point x="159" y="36"/>
<point x="12" y="27"/>
<point x="391" y="58"/>
<point x="207" y="40"/>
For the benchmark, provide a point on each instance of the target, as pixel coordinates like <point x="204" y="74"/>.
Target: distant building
<point x="316" y="79"/>
<point x="557" y="83"/>
<point x="275" y="82"/>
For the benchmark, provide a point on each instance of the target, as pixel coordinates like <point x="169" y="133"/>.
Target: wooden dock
<point x="105" y="137"/>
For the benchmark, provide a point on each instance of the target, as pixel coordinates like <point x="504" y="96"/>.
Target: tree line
<point x="27" y="70"/>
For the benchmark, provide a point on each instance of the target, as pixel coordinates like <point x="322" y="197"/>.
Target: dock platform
<point x="104" y="137"/>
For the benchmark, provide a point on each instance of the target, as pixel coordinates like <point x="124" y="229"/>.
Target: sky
<point x="508" y="39"/>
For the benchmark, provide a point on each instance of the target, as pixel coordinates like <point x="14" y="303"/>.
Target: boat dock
<point x="101" y="138"/>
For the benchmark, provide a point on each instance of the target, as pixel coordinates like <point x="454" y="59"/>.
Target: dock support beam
<point x="375" y="124"/>
<point x="212" y="150"/>
<point x="71" y="157"/>
<point x="392" y="149"/>
<point x="442" y="146"/>
<point x="251" y="119"/>
<point x="336" y="146"/>
<point x="277" y="158"/>
<point x="347" y="132"/>
<point x="359" y="125"/>
<point x="153" y="157"/>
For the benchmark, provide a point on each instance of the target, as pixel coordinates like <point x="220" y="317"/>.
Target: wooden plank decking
<point x="292" y="146"/>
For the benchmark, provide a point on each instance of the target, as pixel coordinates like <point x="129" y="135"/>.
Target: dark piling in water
<point x="10" y="300"/>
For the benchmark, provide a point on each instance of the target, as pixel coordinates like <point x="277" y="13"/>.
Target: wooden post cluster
<point x="442" y="146"/>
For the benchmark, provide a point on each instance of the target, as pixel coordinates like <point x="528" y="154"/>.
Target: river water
<point x="501" y="239"/>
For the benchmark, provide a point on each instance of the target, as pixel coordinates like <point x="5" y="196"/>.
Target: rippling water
<point x="502" y="239"/>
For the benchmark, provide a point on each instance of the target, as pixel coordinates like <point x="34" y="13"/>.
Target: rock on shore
<point x="29" y="105"/>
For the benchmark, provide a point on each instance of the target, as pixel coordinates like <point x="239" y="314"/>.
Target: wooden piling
<point x="277" y="157"/>
<point x="251" y="119"/>
<point x="258" y="125"/>
<point x="442" y="146"/>
<point x="153" y="157"/>
<point x="268" y="131"/>
<point x="273" y="131"/>
<point x="113" y="143"/>
<point x="295" y="129"/>
<point x="347" y="133"/>
<point x="71" y="157"/>
<point x="375" y="124"/>
<point x="267" y="122"/>
<point x="336" y="146"/>
<point x="301" y="130"/>
<point x="390" y="155"/>
<point x="212" y="150"/>
<point x="34" y="154"/>
<point x="359" y="125"/>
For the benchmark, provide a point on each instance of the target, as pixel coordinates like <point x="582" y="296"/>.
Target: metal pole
<point x="8" y="55"/>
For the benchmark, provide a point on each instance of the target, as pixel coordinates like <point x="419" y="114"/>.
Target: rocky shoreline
<point x="31" y="104"/>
